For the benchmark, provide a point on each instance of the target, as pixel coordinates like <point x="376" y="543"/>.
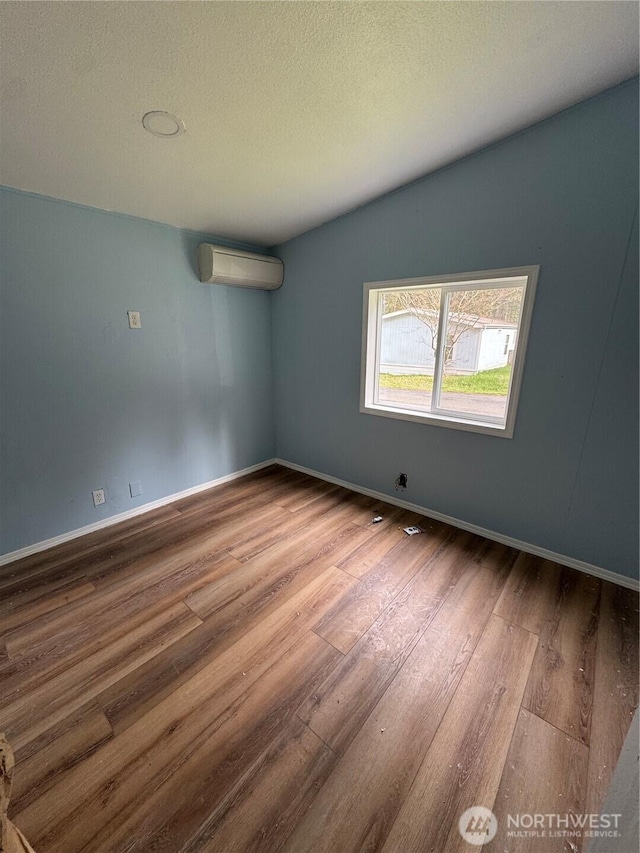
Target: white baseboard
<point x="131" y="513"/>
<point x="596" y="571"/>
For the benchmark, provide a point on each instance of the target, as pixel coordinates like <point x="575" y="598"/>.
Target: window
<point x="448" y="350"/>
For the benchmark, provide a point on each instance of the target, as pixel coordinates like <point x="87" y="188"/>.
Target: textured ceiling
<point x="295" y="111"/>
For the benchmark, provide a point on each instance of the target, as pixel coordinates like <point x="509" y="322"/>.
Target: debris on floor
<point x="12" y="840"/>
<point x="376" y="519"/>
<point x="411" y="531"/>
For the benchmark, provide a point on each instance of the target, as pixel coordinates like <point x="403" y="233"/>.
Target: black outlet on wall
<point x="401" y="481"/>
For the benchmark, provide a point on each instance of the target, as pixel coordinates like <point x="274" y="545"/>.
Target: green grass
<point x="485" y="382"/>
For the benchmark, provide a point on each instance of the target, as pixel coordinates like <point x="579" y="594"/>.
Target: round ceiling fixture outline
<point x="163" y="124"/>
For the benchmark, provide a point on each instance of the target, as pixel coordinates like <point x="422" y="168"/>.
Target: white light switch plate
<point x="134" y="320"/>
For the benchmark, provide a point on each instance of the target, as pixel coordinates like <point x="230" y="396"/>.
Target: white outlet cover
<point x="135" y="321"/>
<point x="98" y="497"/>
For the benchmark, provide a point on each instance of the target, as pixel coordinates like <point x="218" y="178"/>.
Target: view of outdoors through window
<point x="471" y="376"/>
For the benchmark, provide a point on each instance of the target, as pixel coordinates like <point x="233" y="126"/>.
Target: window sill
<point x="498" y="430"/>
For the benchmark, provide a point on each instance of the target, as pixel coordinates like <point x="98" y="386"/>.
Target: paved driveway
<point x="483" y="404"/>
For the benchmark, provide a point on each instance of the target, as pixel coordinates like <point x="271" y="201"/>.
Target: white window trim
<point x="371" y="346"/>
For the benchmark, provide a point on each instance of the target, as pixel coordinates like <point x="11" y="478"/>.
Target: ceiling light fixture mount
<point x="163" y="124"/>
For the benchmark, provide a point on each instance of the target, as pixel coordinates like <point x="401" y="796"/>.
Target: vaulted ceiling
<point x="295" y="112"/>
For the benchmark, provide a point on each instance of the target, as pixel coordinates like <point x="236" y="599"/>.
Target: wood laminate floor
<point x="261" y="668"/>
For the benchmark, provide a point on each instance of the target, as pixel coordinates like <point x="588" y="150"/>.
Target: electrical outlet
<point x="135" y="489"/>
<point x="401" y="481"/>
<point x="98" y="497"/>
<point x="135" y="321"/>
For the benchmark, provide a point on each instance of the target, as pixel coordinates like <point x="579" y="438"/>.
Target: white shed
<point x="407" y="345"/>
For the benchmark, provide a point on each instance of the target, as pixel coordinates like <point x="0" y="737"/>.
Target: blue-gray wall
<point x="562" y="194"/>
<point x="88" y="403"/>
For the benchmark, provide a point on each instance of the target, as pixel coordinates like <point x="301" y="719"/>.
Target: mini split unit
<point x="220" y="265"/>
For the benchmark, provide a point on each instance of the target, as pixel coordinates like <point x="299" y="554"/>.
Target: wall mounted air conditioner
<point x="220" y="265"/>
